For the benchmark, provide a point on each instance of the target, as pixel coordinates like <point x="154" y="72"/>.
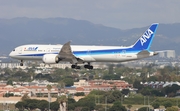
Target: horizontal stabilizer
<point x="144" y="52"/>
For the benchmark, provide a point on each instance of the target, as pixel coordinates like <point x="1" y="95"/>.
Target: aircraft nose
<point x="10" y="55"/>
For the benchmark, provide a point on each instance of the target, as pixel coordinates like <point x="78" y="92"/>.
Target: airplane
<point x="83" y="54"/>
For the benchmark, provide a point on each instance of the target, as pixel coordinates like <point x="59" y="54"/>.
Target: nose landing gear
<point x="21" y="63"/>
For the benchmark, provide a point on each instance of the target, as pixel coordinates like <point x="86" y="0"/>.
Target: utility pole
<point x="95" y="99"/>
<point x="49" y="106"/>
<point x="122" y="99"/>
<point x="144" y="101"/>
<point x="98" y="100"/>
<point x="177" y="102"/>
<point x="148" y="103"/>
<point x="106" y="103"/>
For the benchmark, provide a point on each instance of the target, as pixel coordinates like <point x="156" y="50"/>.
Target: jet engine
<point x="50" y="58"/>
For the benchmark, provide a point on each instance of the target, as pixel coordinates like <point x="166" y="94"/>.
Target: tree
<point x="8" y="71"/>
<point x="138" y="85"/>
<point x="8" y="94"/>
<point x="125" y="91"/>
<point x="155" y="105"/>
<point x="117" y="106"/>
<point x="97" y="92"/>
<point x="117" y="95"/>
<point x="21" y="75"/>
<point x="79" y="94"/>
<point x="10" y="82"/>
<point x="31" y="72"/>
<point x="171" y="91"/>
<point x="88" y="101"/>
<point x="111" y="69"/>
<point x="129" y="106"/>
<point x="110" y="98"/>
<point x="146" y="91"/>
<point x="62" y="101"/>
<point x="113" y="96"/>
<point x="71" y="107"/>
<point x="143" y="109"/>
<point x="49" y="87"/>
<point x="152" y="78"/>
<point x="31" y="103"/>
<point x="171" y="109"/>
<point x="68" y="82"/>
<point x="20" y="105"/>
<point x="71" y="101"/>
<point x="25" y="96"/>
<point x="111" y="77"/>
<point x="101" y="108"/>
<point x="156" y="92"/>
<point x="32" y="106"/>
<point x="71" y="104"/>
<point x="167" y="104"/>
<point x="85" y="109"/>
<point x="54" y="106"/>
<point x="42" y="105"/>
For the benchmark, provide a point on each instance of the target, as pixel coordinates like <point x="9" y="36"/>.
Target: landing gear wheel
<point x="78" y="67"/>
<point x="88" y="66"/>
<point x="75" y="67"/>
<point x="21" y="64"/>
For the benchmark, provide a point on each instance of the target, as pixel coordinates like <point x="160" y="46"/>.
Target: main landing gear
<point x="75" y="67"/>
<point x="88" y="66"/>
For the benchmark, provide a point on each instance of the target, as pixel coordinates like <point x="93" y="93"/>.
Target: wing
<point x="66" y="54"/>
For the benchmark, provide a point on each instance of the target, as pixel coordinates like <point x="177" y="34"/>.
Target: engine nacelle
<point x="50" y="58"/>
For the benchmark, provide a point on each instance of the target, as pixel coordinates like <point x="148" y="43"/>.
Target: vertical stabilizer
<point x="144" y="42"/>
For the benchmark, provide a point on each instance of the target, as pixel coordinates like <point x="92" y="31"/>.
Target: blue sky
<point x="123" y="14"/>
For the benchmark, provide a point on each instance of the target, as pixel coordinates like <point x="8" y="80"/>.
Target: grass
<point x="7" y="106"/>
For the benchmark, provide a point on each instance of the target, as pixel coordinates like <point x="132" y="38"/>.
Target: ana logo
<point x="146" y="36"/>
<point x="32" y="48"/>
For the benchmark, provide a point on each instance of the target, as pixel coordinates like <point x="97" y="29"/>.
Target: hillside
<point x="19" y="31"/>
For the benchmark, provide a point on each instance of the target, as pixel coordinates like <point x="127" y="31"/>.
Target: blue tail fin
<point x="144" y="42"/>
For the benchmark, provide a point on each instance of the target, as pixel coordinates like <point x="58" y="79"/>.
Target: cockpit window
<point x="14" y="50"/>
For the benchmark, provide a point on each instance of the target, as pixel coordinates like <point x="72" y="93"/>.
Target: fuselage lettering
<point x="146" y="36"/>
<point x="31" y="48"/>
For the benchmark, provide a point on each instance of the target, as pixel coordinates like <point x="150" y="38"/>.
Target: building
<point x="160" y="84"/>
<point x="104" y="85"/>
<point x="81" y="83"/>
<point x="171" y="54"/>
<point x="161" y="54"/>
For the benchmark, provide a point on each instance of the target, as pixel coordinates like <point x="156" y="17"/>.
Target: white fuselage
<point x="86" y="53"/>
